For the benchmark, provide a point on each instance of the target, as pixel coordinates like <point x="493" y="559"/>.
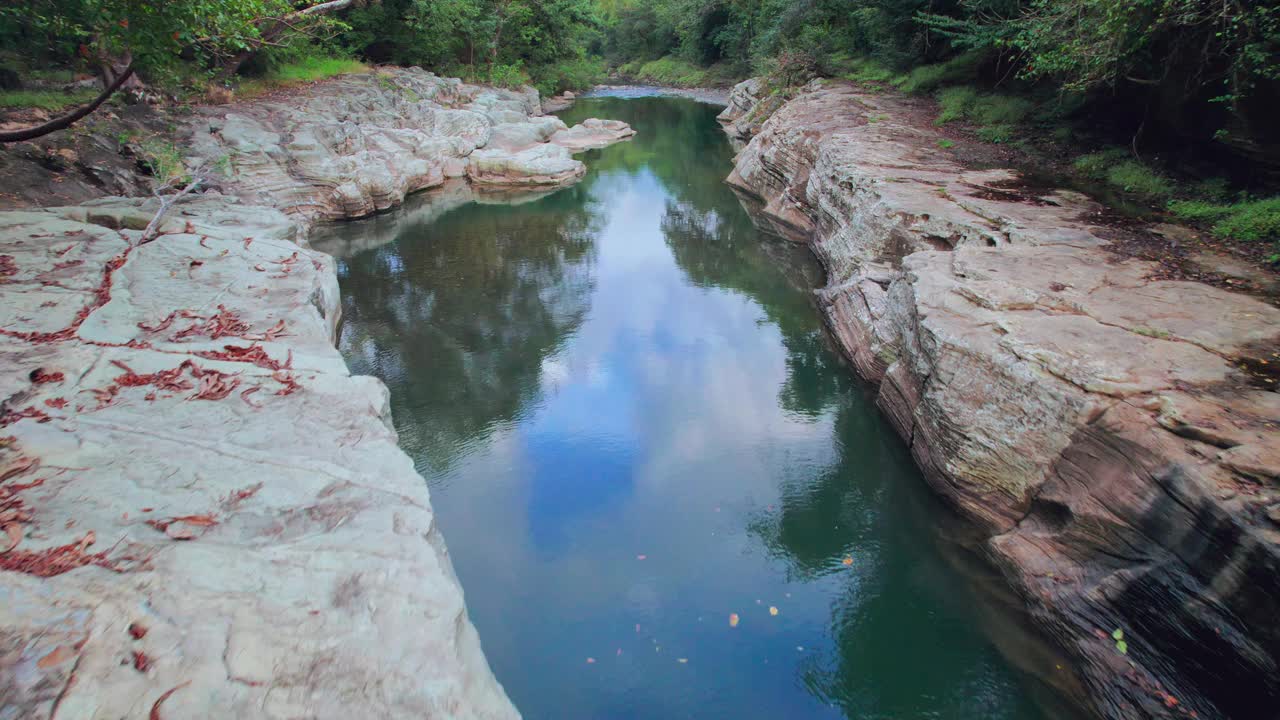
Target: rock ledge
<point x="1109" y="431"/>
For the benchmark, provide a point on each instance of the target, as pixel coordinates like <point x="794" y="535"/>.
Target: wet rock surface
<point x="1113" y="434"/>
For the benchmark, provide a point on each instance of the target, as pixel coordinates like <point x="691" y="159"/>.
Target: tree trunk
<point x="65" y="121"/>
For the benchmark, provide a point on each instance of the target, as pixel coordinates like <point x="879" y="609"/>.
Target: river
<point x="664" y="494"/>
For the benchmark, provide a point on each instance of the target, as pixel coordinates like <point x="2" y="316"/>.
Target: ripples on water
<point x="632" y="426"/>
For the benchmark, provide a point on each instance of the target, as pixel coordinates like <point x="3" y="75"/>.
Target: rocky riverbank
<point x="202" y="508"/>
<point x="1114" y="433"/>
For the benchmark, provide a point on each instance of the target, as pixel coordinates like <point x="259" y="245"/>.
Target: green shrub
<point x="1251" y="220"/>
<point x="508" y="75"/>
<point x="955" y="103"/>
<point x="579" y="74"/>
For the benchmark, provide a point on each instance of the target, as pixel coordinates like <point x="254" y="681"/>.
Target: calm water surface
<point x="632" y="427"/>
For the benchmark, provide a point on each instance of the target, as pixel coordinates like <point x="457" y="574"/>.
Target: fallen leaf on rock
<point x="155" y="709"/>
<point x="137" y="631"/>
<point x="14" y="531"/>
<point x="59" y="655"/>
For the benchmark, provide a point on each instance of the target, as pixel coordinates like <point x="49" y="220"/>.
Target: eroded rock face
<point x="225" y="520"/>
<point x="358" y="144"/>
<point x="1099" y="424"/>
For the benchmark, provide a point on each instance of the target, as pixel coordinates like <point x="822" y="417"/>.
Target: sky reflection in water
<point x="627" y="368"/>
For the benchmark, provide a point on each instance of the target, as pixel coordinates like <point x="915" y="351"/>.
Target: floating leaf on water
<point x="848" y="560"/>
<point x="733" y="619"/>
<point x="590" y="660"/>
<point x="642" y="557"/>
<point x="682" y="660"/>
<point x="773" y="610"/>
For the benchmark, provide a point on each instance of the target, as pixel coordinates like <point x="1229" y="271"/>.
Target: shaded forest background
<point x="1173" y="98"/>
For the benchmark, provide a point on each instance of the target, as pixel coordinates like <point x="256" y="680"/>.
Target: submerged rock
<point x="1113" y="433"/>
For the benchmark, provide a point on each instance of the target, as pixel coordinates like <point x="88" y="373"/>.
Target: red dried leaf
<point x="56" y="560"/>
<point x="14" y="531"/>
<point x="155" y="709"/>
<point x="40" y="377"/>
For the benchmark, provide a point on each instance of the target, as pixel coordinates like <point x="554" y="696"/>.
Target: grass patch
<point x="1133" y="177"/>
<point x="680" y="73"/>
<point x="45" y="99"/>
<point x="946" y="144"/>
<point x="1118" y="169"/>
<point x="928" y="78"/>
<point x="999" y="115"/>
<point x="303" y="70"/>
<point x="998" y="134"/>
<point x="1250" y="220"/>
<point x="860" y="70"/>
<point x="956" y="103"/>
<point x="1001" y="109"/>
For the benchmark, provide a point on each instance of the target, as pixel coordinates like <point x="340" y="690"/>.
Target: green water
<point x="632" y="426"/>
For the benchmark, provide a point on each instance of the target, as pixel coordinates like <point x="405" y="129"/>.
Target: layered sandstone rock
<point x="358" y="144"/>
<point x="212" y="516"/>
<point x="1117" y="436"/>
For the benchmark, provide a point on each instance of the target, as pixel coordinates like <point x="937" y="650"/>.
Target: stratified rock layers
<point x="1106" y="429"/>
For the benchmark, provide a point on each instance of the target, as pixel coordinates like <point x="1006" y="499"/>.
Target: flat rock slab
<point x="1114" y="434"/>
<point x="358" y="144"/>
<point x="210" y="511"/>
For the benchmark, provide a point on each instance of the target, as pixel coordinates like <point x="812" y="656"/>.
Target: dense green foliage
<point x="164" y="38"/>
<point x="1188" y="83"/>
<point x="1169" y="70"/>
<point x="509" y="42"/>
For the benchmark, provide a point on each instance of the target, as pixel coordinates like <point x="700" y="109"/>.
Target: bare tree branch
<point x="65" y="121"/>
<point x="152" y="230"/>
